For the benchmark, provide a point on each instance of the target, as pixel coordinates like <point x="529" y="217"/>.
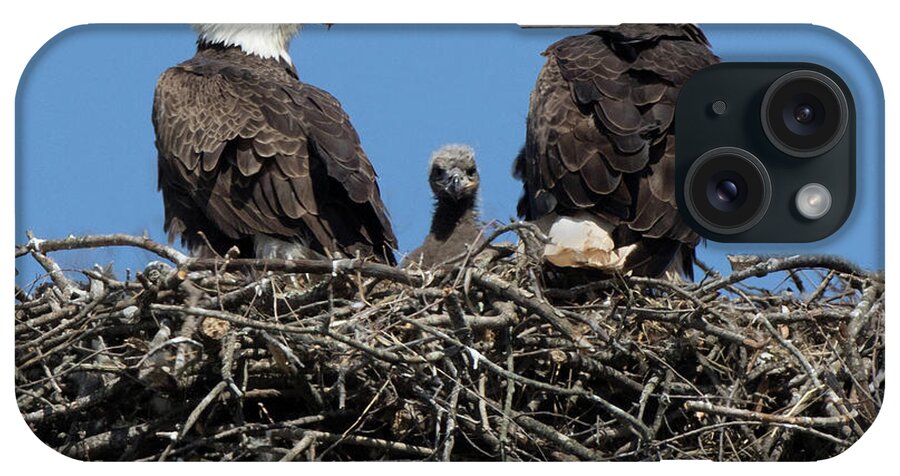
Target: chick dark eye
<point x="471" y="171"/>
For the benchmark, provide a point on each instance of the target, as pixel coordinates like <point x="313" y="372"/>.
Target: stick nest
<point x="486" y="359"/>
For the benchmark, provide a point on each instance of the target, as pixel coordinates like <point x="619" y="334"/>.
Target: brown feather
<point x="600" y="131"/>
<point x="248" y="162"/>
<point x="238" y="137"/>
<point x="598" y="178"/>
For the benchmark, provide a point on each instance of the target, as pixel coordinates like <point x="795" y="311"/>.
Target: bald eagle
<point x="455" y="226"/>
<point x="249" y="156"/>
<point x="598" y="162"/>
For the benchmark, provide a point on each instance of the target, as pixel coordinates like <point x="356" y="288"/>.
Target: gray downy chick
<point x="455" y="225"/>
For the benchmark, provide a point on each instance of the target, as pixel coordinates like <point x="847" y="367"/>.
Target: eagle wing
<point x="241" y="154"/>
<point x="600" y="127"/>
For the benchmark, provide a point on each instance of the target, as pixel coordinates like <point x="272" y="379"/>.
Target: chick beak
<point x="456" y="183"/>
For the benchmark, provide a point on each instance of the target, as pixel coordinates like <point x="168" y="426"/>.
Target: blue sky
<point x="86" y="163"/>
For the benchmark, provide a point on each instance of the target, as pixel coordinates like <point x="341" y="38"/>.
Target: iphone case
<point x="224" y="346"/>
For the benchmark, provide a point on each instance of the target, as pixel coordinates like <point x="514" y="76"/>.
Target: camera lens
<point x="804" y="113"/>
<point x="727" y="190"/>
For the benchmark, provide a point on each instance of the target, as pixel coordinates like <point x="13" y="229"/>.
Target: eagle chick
<point x="455" y="225"/>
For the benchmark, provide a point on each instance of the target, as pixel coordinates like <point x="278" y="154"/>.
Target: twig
<point x="827" y="422"/>
<point x="810" y="371"/>
<point x="300" y="266"/>
<point x="95" y="446"/>
<point x="773" y="265"/>
<point x="102" y="395"/>
<point x="506" y="290"/>
<point x="100" y="241"/>
<point x="377" y="443"/>
<point x="64" y="284"/>
<point x="232" y="318"/>
<point x="300" y="447"/>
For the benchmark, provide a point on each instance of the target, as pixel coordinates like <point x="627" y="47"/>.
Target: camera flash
<point x="813" y="201"/>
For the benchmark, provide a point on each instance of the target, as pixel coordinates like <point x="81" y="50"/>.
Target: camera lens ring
<point x="774" y="133"/>
<point x="753" y="171"/>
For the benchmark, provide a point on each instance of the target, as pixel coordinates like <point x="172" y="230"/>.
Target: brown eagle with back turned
<point x="598" y="164"/>
<point x="251" y="157"/>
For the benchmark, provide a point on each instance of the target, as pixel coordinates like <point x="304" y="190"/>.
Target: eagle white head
<point x="266" y="40"/>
